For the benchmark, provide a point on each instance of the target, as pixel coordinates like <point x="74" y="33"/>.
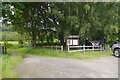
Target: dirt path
<point x="40" y="67"/>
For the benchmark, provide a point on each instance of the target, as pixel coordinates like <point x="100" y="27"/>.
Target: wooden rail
<point x="84" y="48"/>
<point x="54" y="47"/>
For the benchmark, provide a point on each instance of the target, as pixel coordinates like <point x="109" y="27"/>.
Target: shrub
<point x="9" y="45"/>
<point x="48" y="44"/>
<point x="20" y="42"/>
<point x="10" y="36"/>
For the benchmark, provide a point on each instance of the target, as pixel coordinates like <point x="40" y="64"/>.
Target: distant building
<point x="73" y="40"/>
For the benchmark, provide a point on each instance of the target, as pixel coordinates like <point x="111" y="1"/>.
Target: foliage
<point x="11" y="42"/>
<point x="8" y="45"/>
<point x="49" y="21"/>
<point x="7" y="28"/>
<point x="10" y="36"/>
<point x="20" y="42"/>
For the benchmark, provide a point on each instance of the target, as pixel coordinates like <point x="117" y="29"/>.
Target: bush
<point x="9" y="45"/>
<point x="10" y="36"/>
<point x="20" y="42"/>
<point x="48" y="44"/>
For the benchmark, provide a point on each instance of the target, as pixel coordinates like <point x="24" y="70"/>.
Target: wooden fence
<point x="54" y="47"/>
<point x="84" y="48"/>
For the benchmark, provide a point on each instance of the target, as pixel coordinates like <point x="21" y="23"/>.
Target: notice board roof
<point x="73" y="36"/>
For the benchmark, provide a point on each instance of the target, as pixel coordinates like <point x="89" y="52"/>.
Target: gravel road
<point x="42" y="67"/>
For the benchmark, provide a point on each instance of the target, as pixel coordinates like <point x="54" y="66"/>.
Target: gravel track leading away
<point x="42" y="67"/>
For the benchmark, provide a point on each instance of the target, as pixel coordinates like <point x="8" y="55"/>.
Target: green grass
<point x="59" y="54"/>
<point x="8" y="64"/>
<point x="12" y="42"/>
<point x="0" y="67"/>
<point x="78" y="55"/>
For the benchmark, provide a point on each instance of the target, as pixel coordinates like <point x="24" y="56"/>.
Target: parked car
<point x="116" y="49"/>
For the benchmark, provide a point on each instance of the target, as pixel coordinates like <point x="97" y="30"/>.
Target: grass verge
<point x="0" y="67"/>
<point x="60" y="54"/>
<point x="8" y="64"/>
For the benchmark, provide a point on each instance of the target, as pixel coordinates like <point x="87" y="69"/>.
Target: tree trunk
<point x="33" y="41"/>
<point x="61" y="37"/>
<point x="48" y="42"/>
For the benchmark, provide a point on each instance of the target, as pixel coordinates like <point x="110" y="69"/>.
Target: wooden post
<point x="84" y="48"/>
<point x="56" y="47"/>
<point x="62" y="48"/>
<point x="3" y="49"/>
<point x="93" y="48"/>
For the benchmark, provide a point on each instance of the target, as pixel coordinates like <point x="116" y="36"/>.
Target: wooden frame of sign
<point x="73" y="40"/>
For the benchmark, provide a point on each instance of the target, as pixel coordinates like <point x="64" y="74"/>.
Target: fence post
<point x="84" y="48"/>
<point x="93" y="48"/>
<point x="62" y="48"/>
<point x="56" y="47"/>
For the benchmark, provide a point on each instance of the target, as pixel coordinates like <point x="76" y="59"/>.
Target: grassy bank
<point x="8" y="64"/>
<point x="57" y="53"/>
<point x="61" y="54"/>
<point x="0" y="67"/>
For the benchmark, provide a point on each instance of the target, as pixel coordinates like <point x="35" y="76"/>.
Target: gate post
<point x="3" y="51"/>
<point x="62" y="48"/>
<point x="84" y="48"/>
<point x="93" y="47"/>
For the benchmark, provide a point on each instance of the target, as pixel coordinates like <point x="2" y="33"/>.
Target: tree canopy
<point x="49" y="20"/>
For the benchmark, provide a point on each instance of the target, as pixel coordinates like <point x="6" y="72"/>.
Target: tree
<point x="99" y="20"/>
<point x="46" y="21"/>
<point x="29" y="18"/>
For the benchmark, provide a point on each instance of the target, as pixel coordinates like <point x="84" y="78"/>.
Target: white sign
<point x="75" y="42"/>
<point x="69" y="42"/>
<point x="72" y="42"/>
